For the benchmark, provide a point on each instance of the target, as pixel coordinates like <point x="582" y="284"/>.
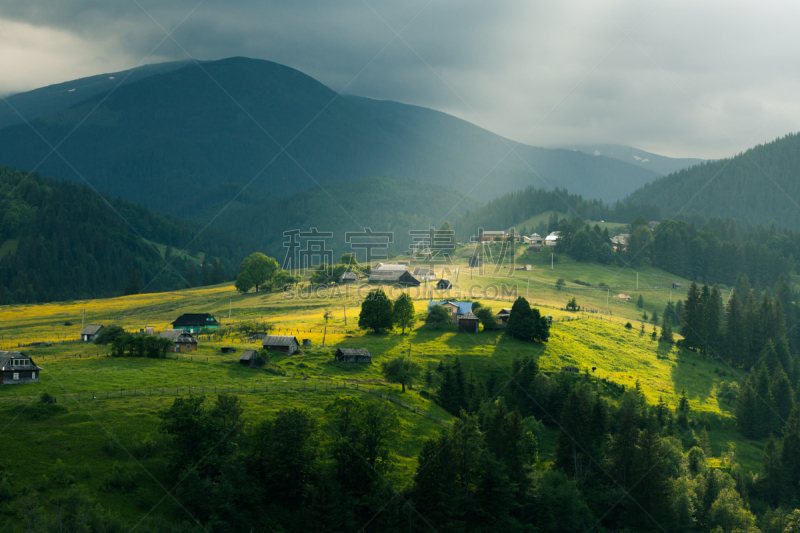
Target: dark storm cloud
<point x="673" y="77"/>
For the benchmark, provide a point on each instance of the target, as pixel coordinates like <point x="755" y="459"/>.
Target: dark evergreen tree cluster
<point x="62" y="241"/>
<point x="513" y="208"/>
<point x="720" y="251"/>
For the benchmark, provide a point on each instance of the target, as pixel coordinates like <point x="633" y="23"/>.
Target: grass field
<point x="595" y="337"/>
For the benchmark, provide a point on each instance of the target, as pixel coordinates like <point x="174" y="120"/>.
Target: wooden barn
<point x="353" y="355"/>
<point x="182" y="341"/>
<point x="348" y="277"/>
<point x="393" y="275"/>
<point x="249" y="358"/>
<point x="443" y="285"/>
<point x="90" y="332"/>
<point x="17" y="368"/>
<point x="281" y="343"/>
<point x="468" y="323"/>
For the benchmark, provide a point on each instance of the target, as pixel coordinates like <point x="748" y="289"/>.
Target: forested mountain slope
<point x="759" y="186"/>
<point x="61" y="241"/>
<point x="379" y="203"/>
<point x="171" y="137"/>
<point x="60" y="96"/>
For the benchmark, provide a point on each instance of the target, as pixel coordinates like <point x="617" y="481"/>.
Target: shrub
<point x="47" y="398"/>
<point x="144" y="447"/>
<point x="584" y="283"/>
<point x="108" y="334"/>
<point x="121" y="479"/>
<point x="628" y="325"/>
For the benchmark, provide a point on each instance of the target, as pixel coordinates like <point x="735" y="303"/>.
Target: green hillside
<point x="63" y="241"/>
<point x="168" y="139"/>
<point x="103" y="434"/>
<point x="759" y="186"/>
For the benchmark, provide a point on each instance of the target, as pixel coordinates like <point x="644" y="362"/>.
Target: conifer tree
<point x="734" y="332"/>
<point x="746" y="411"/>
<point x="780" y="391"/>
<point x="790" y="452"/>
<point x="712" y="316"/>
<point x="217" y="273"/>
<point x="132" y="287"/>
<point x="771" y="475"/>
<point x="666" y="329"/>
<point x="692" y="318"/>
<point x="751" y="331"/>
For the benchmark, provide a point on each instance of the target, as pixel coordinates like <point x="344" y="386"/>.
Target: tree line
<point x="62" y="241"/>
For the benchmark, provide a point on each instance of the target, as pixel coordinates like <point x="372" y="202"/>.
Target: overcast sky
<point x="679" y="78"/>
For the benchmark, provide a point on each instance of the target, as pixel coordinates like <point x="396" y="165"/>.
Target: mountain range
<point x="173" y="134"/>
<point x="657" y="163"/>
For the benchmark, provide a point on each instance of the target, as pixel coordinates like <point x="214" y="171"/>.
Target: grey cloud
<point x="690" y="80"/>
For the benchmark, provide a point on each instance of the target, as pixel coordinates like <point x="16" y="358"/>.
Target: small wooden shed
<point x="281" y="343"/>
<point x="570" y="369"/>
<point x="90" y="332"/>
<point x="227" y="349"/>
<point x="468" y="323"/>
<point x="348" y="277"/>
<point x="249" y="358"/>
<point x="502" y="317"/>
<point x="443" y="285"/>
<point x="353" y="355"/>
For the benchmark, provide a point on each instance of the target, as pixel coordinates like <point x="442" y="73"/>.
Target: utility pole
<point x="608" y="292"/>
<point x="344" y="310"/>
<point x="527" y="289"/>
<point x="637" y="281"/>
<point x="83" y="318"/>
<point x="230" y="305"/>
<point x="324" y="331"/>
<point x="551" y="260"/>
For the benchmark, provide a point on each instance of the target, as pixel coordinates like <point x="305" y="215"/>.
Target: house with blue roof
<point x="457" y="309"/>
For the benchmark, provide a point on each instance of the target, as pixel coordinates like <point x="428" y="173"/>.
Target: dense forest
<point x="759" y="186"/>
<point x="61" y="241"/>
<point x="718" y="252"/>
<point x="618" y="464"/>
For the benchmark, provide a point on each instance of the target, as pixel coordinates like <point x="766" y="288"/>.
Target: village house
<point x="393" y="275"/>
<point x="353" y="355"/>
<point x="491" y="236"/>
<point x="281" y="343"/>
<point x="182" y="341"/>
<point x="17" y="368"/>
<point x="502" y="317"/>
<point x="90" y="332"/>
<point x="620" y="241"/>
<point x="443" y="285"/>
<point x="195" y="322"/>
<point x="551" y="239"/>
<point x="533" y="239"/>
<point x="249" y="358"/>
<point x="348" y="277"/>
<point x="456" y="309"/>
